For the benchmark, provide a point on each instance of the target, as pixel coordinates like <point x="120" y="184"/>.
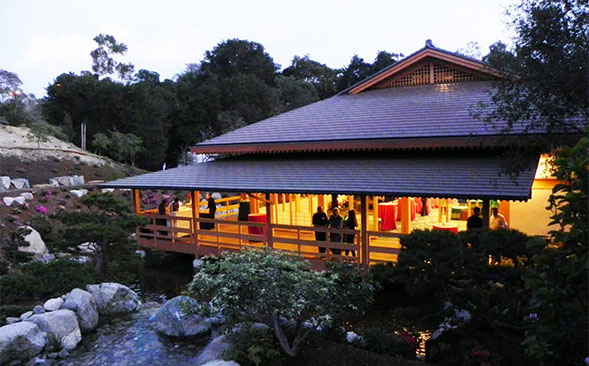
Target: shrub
<point x="3" y="267"/>
<point x="43" y="280"/>
<point x="272" y="287"/>
<point x="379" y="341"/>
<point x="252" y="346"/>
<point x="11" y="310"/>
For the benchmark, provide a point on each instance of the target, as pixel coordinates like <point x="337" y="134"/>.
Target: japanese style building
<point x="399" y="140"/>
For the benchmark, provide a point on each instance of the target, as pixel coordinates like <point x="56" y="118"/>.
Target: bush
<point x="379" y="341"/>
<point x="251" y="346"/>
<point x="11" y="310"/>
<point x="41" y="280"/>
<point x="271" y="287"/>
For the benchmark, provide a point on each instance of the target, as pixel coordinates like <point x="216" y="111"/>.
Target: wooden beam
<point x="137" y="201"/>
<point x="268" y="228"/>
<point x="321" y="201"/>
<point x="290" y="208"/>
<point x="405" y="215"/>
<point x="251" y="195"/>
<point x="504" y="209"/>
<point x="364" y="250"/>
<point x="374" y="213"/>
<point x="195" y="198"/>
<point x="351" y="202"/>
<point x="486" y="213"/>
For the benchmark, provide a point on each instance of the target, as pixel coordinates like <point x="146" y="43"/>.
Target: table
<point x="446" y="226"/>
<point x="256" y="217"/>
<point x="386" y="212"/>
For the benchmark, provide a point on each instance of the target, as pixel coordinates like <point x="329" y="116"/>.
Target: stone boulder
<point x="20" y="200"/>
<point x="8" y="201"/>
<point x="77" y="180"/>
<point x="214" y="350"/>
<point x="4" y="183"/>
<point x="53" y="304"/>
<point x="36" y="244"/>
<point x="221" y="363"/>
<point x="20" y="341"/>
<point x="61" y="326"/>
<point x="114" y="298"/>
<point x="77" y="192"/>
<point x="27" y="195"/>
<point x="83" y="304"/>
<point x="20" y="183"/>
<point x="172" y="320"/>
<point x="64" y="181"/>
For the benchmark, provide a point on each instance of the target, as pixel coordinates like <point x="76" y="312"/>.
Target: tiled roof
<point x="471" y="175"/>
<point x="426" y="111"/>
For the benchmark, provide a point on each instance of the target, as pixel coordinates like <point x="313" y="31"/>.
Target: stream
<point x="132" y="340"/>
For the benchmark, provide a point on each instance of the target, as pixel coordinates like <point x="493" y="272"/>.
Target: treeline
<point x="138" y="118"/>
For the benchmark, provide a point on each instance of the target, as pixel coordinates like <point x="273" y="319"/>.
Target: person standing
<point x="351" y="223"/>
<point x="320" y="220"/>
<point x="212" y="206"/>
<point x="175" y="206"/>
<point x="161" y="210"/>
<point x="335" y="222"/>
<point x="475" y="221"/>
<point x="497" y="220"/>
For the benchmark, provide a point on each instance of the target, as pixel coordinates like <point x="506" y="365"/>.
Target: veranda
<point x="283" y="222"/>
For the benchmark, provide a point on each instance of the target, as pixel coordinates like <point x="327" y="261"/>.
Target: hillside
<point x="21" y="158"/>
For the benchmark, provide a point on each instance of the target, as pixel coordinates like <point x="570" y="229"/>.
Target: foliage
<point x="354" y="290"/>
<point x="550" y="91"/>
<point x="252" y="346"/>
<point x="381" y="341"/>
<point x="557" y="321"/>
<point x="103" y="62"/>
<point x="318" y="75"/>
<point x="40" y="131"/>
<point x="270" y="287"/>
<point x="41" y="280"/>
<point x="12" y="243"/>
<point x="118" y="146"/>
<point x="4" y="266"/>
<point x="11" y="310"/>
<point x="106" y="224"/>
<point x="10" y="85"/>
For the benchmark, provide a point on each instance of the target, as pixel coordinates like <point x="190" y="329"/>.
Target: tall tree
<point x="103" y="62"/>
<point x="319" y="75"/>
<point x="550" y="59"/>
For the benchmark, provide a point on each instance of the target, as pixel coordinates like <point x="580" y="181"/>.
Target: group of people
<point x="335" y="221"/>
<point x="497" y="221"/>
<point x="166" y="207"/>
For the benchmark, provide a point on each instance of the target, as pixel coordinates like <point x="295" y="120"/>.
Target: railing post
<point x="137" y="201"/>
<point x="364" y="257"/>
<point x="268" y="222"/>
<point x="486" y="213"/>
<point x="195" y="197"/>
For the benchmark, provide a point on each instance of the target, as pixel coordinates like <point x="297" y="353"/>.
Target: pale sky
<point x="41" y="39"/>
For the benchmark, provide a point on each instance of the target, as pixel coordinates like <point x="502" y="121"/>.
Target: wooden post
<point x="351" y="202"/>
<point x="364" y="250"/>
<point x="405" y="215"/>
<point x="290" y="207"/>
<point x="297" y="207"/>
<point x="486" y="213"/>
<point x="137" y="201"/>
<point x="268" y="222"/>
<point x="321" y="203"/>
<point x="195" y="197"/>
<point x="374" y="213"/>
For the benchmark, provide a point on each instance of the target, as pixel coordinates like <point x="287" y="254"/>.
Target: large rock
<point x="214" y="350"/>
<point x="61" y="326"/>
<point x="4" y="183"/>
<point x="8" y="201"/>
<point x="20" y="200"/>
<point x="20" y="341"/>
<point x="221" y="363"/>
<point x="113" y="298"/>
<point x="20" y="183"/>
<point x="77" y="179"/>
<point x="83" y="304"/>
<point x="27" y="195"/>
<point x="64" y="181"/>
<point x="172" y="320"/>
<point x="53" y="304"/>
<point x="36" y="244"/>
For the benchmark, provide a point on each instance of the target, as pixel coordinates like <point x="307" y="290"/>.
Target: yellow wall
<point x="531" y="217"/>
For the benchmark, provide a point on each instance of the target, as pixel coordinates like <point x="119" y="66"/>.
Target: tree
<point x="103" y="62"/>
<point x="13" y="242"/>
<point x="272" y="287"/>
<point x="550" y="90"/>
<point x="106" y="223"/>
<point x="557" y="331"/>
<point x="40" y="131"/>
<point x="319" y="75"/>
<point x="9" y="85"/>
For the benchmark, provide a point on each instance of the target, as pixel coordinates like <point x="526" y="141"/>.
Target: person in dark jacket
<point x="475" y="221"/>
<point x="212" y="206"/>
<point x="351" y="223"/>
<point x="335" y="222"/>
<point x="320" y="220"/>
<point x="161" y="210"/>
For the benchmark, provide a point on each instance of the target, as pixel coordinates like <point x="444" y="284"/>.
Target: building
<point x="403" y="134"/>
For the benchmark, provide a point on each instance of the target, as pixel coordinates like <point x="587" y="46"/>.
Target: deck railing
<point x="205" y="236"/>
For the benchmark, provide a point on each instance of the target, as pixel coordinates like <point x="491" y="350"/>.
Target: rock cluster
<point x="57" y="326"/>
<point x="73" y="180"/>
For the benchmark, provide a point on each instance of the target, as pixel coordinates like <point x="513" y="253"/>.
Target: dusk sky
<point x="41" y="39"/>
